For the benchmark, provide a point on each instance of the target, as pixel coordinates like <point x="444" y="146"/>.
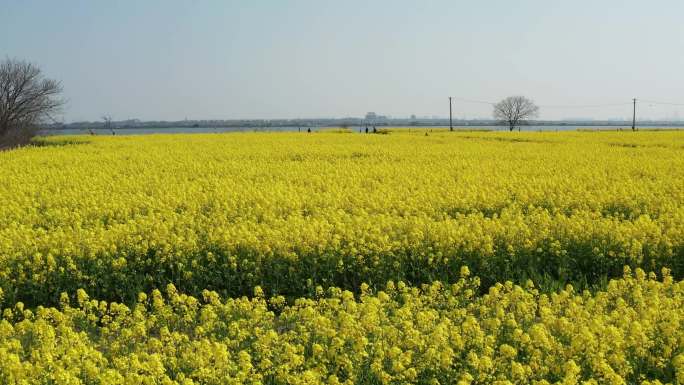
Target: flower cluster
<point x="287" y="212"/>
<point x="633" y="332"/>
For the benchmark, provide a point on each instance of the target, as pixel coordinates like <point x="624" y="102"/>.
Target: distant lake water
<point x="204" y="130"/>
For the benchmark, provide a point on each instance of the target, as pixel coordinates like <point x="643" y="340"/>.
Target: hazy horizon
<point x="171" y="60"/>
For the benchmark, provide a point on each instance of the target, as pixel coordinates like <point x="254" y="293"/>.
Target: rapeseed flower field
<point x="434" y="334"/>
<point x="288" y="258"/>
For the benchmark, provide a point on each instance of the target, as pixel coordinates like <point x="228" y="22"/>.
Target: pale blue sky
<point x="286" y="59"/>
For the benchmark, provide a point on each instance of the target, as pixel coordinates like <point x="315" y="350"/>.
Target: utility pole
<point x="451" y="125"/>
<point x="634" y="115"/>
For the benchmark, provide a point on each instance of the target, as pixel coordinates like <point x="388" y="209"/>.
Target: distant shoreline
<point x="346" y="125"/>
<point x="346" y="122"/>
<point x="353" y="129"/>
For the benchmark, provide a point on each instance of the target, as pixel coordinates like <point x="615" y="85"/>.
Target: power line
<point x="471" y="101"/>
<point x="549" y="106"/>
<point x="586" y="105"/>
<point x="665" y="103"/>
<point x="569" y="106"/>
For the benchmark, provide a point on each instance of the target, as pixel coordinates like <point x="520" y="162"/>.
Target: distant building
<point x="373" y="117"/>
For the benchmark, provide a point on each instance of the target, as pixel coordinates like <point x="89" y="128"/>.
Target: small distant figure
<point x="375" y="131"/>
<point x="308" y="130"/>
<point x="426" y="134"/>
<point x="366" y="129"/>
<point x="299" y="129"/>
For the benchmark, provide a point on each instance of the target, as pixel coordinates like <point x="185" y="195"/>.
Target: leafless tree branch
<point x="27" y="99"/>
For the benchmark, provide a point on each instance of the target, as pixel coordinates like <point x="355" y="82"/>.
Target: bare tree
<point x="515" y="110"/>
<point x="27" y="99"/>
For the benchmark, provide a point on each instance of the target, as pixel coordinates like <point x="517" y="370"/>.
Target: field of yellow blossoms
<point x="333" y="258"/>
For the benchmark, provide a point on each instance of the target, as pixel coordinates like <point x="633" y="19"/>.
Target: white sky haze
<point x="170" y="60"/>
